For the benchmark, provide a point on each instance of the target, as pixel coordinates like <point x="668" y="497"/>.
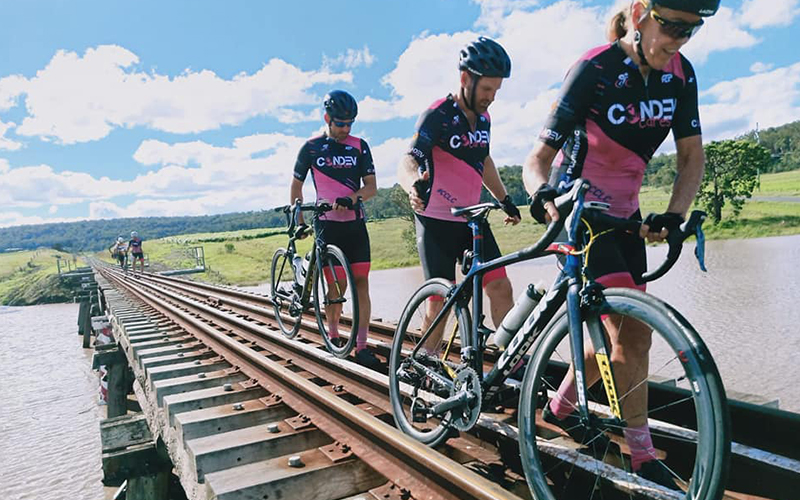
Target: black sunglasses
<point x="676" y="29"/>
<point x="342" y="124"/>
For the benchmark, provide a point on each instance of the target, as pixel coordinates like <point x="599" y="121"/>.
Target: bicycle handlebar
<point x="566" y="203"/>
<point x="692" y="226"/>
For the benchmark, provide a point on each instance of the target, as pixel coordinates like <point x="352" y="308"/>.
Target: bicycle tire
<point x="699" y="423"/>
<point x="402" y="385"/>
<point x="332" y="257"/>
<point x="285" y="300"/>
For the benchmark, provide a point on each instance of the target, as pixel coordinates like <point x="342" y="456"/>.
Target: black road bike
<point x="322" y="279"/>
<point x="440" y="380"/>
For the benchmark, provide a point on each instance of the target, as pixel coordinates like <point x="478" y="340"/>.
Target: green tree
<point x="731" y="175"/>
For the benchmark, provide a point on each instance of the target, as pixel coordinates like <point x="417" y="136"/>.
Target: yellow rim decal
<point x="608" y="383"/>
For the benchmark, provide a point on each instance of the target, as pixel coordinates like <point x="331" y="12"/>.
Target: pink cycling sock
<point x="563" y="403"/>
<point x="333" y="330"/>
<point x="641" y="444"/>
<point x="361" y="338"/>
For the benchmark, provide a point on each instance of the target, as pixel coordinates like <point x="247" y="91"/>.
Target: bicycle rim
<point x="411" y="390"/>
<point x="686" y="411"/>
<point x="334" y="286"/>
<point x="285" y="300"/>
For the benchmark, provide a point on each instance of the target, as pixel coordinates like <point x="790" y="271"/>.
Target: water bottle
<point x="518" y="314"/>
<point x="299" y="270"/>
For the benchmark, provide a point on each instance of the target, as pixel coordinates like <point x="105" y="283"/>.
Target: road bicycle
<point x="443" y="373"/>
<point x="322" y="279"/>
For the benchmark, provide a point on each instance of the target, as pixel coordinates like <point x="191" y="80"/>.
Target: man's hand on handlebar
<point x="543" y="209"/>
<point x="656" y="227"/>
<point x="343" y="203"/>
<point x="302" y="231"/>
<point x="512" y="212"/>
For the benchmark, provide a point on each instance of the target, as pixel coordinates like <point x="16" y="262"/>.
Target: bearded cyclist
<point x="339" y="163"/>
<point x="617" y="105"/>
<point x="446" y="166"/>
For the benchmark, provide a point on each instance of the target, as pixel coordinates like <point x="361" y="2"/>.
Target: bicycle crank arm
<point x="460" y="399"/>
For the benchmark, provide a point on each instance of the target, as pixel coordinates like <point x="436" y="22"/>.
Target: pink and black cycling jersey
<point x="135" y="245"/>
<point x="446" y="146"/>
<point x="609" y="121"/>
<point x="336" y="168"/>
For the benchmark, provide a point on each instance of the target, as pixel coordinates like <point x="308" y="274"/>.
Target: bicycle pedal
<point x="340" y="300"/>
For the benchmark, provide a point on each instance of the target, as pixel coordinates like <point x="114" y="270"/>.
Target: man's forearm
<point x="690" y="167"/>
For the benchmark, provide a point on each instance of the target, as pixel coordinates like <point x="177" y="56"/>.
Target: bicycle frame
<point x="567" y="286"/>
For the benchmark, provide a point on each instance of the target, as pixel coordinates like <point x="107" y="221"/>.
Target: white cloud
<point x="759" y="14"/>
<point x="493" y="11"/>
<point x="6" y="143"/>
<point x="733" y="107"/>
<point x="350" y="59"/>
<point x="722" y="32"/>
<point x="760" y="67"/>
<point x="82" y="98"/>
<point x="386" y="156"/>
<point x="36" y="186"/>
<point x="425" y="71"/>
<point x="53" y="209"/>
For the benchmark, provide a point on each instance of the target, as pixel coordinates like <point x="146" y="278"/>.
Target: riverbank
<point x="31" y="277"/>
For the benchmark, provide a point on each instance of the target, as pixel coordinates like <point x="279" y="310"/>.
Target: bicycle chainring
<point x="463" y="418"/>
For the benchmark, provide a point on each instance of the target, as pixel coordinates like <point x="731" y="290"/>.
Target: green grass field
<point x="29" y="277"/>
<point x="247" y="261"/>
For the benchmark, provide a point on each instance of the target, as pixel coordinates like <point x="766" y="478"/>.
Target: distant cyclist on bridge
<point x="119" y="250"/>
<point x="616" y="107"/>
<point x="447" y="165"/>
<point x="339" y="164"/>
<point x="135" y="248"/>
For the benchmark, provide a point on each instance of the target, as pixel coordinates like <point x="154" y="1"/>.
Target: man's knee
<point x="499" y="289"/>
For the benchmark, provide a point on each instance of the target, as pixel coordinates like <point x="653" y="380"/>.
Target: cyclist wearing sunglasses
<point x="339" y="164"/>
<point x="448" y="163"/>
<point x="617" y="105"/>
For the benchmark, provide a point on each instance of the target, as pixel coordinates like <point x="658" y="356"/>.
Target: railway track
<point x="246" y="413"/>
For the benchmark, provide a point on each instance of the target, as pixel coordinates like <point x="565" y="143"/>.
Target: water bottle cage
<point x="466" y="261"/>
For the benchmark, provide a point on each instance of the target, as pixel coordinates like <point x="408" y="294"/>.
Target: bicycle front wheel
<point x="336" y="301"/>
<point x="285" y="293"/>
<point x="415" y="382"/>
<point x="676" y="390"/>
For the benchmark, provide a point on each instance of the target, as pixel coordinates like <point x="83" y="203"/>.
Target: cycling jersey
<point x="135" y="246"/>
<point x="446" y="146"/>
<point x="610" y="120"/>
<point x="336" y="168"/>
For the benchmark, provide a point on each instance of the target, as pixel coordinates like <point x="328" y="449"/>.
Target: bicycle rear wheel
<point x="413" y="386"/>
<point x="686" y="411"/>
<point x="339" y="292"/>
<point x="286" y="299"/>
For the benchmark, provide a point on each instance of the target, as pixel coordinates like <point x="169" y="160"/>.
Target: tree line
<point x="732" y="169"/>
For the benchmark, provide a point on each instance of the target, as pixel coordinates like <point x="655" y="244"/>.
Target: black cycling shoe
<point x="571" y="424"/>
<point x="367" y="359"/>
<point x="339" y="342"/>
<point x="655" y="471"/>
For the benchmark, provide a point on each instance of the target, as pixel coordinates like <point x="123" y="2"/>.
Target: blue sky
<point x="114" y="109"/>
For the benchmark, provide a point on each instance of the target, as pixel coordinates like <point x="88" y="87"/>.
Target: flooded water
<point x="49" y="417"/>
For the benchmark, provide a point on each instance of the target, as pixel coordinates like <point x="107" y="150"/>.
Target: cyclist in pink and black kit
<point x="448" y="164"/>
<point x="617" y="105"/>
<point x="339" y="163"/>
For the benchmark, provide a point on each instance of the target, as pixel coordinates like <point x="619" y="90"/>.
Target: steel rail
<point x="425" y="472"/>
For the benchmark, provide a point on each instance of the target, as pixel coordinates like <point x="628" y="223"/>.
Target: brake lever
<point x="700" y="248"/>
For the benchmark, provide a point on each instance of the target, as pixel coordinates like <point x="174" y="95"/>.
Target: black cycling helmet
<point x="703" y="8"/>
<point x="485" y="57"/>
<point x="340" y="105"/>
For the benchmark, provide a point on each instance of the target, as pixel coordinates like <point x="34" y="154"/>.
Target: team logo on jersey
<point x="456" y="120"/>
<point x="324" y="147"/>
<point x="337" y="161"/>
<point x="652" y="113"/>
<point x="549" y="134"/>
<point x="666" y="78"/>
<point x="477" y="139"/>
<point x="623" y="80"/>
